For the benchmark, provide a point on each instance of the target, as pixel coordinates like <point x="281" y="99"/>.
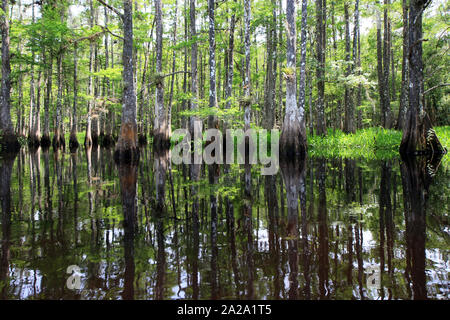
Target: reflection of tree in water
<point x="293" y="172"/>
<point x="313" y="250"/>
<point x="160" y="170"/>
<point x="6" y="165"/>
<point x="416" y="179"/>
<point x="128" y="181"/>
<point x="323" y="230"/>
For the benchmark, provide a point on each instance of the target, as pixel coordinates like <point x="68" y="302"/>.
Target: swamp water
<point x="76" y="226"/>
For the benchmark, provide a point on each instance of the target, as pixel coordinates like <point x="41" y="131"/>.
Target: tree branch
<point x="165" y="76"/>
<point x="116" y="11"/>
<point x="106" y="29"/>
<point x="435" y="87"/>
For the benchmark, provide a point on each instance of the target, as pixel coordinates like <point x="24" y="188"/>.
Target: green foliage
<point x="372" y="143"/>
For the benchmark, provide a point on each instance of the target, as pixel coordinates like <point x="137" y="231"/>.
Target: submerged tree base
<point x="126" y="156"/>
<point x="106" y="141"/>
<point x="58" y="142"/>
<point x="161" y="141"/>
<point x="126" y="149"/>
<point x="293" y="142"/>
<point x="95" y="140"/>
<point x="142" y="139"/>
<point x="33" y="141"/>
<point x="73" y="142"/>
<point x="419" y="137"/>
<point x="45" y="142"/>
<point x="9" y="144"/>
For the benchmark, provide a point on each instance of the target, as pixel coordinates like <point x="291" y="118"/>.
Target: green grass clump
<point x="371" y="143"/>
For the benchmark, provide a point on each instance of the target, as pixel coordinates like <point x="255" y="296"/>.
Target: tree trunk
<point x="95" y="118"/>
<point x="126" y="147"/>
<point x="269" y="92"/>
<point x="293" y="135"/>
<point x="32" y="92"/>
<point x="107" y="140"/>
<point x="405" y="71"/>
<point x="357" y="62"/>
<point x="58" y="137"/>
<point x="212" y="120"/>
<point x="73" y="141"/>
<point x="88" y="138"/>
<point x="418" y="134"/>
<point x="169" y="113"/>
<point x="161" y="135"/>
<point x="48" y="58"/>
<point x="349" y="126"/>
<point x="230" y="62"/>
<point x="302" y="86"/>
<point x="36" y="134"/>
<point x="320" y="71"/>
<point x="195" y="124"/>
<point x="8" y="139"/>
<point x="386" y="63"/>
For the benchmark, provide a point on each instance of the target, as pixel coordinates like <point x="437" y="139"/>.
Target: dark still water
<point x="76" y="226"/>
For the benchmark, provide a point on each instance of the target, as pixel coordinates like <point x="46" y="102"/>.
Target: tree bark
<point x="45" y="140"/>
<point x="269" y="92"/>
<point x="348" y="101"/>
<point x="386" y="63"/>
<point x="418" y="134"/>
<point x="320" y="70"/>
<point x="8" y="139"/>
<point x="126" y="147"/>
<point x="230" y="62"/>
<point x="212" y="120"/>
<point x="161" y="135"/>
<point x="293" y="135"/>
<point x="357" y="62"/>
<point x="73" y="141"/>
<point x="405" y="70"/>
<point x="88" y="138"/>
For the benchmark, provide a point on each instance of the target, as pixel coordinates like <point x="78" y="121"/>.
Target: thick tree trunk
<point x="302" y="85"/>
<point x="418" y="134"/>
<point x="293" y="135"/>
<point x="161" y="130"/>
<point x="126" y="147"/>
<point x="8" y="139"/>
<point x="404" y="91"/>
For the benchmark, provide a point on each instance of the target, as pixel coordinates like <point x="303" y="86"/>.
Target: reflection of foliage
<point x="49" y="235"/>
